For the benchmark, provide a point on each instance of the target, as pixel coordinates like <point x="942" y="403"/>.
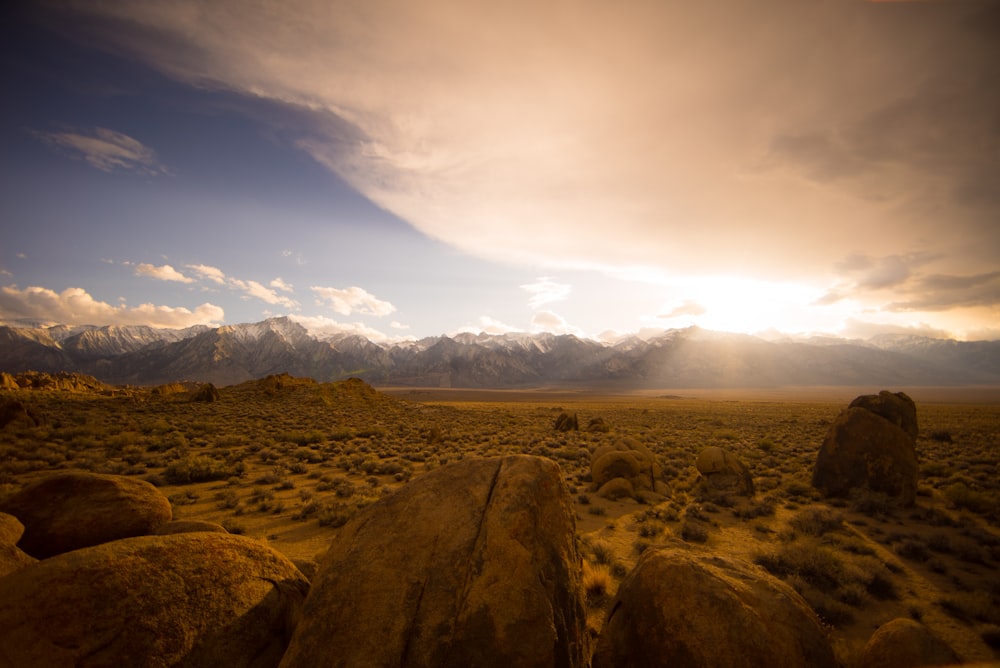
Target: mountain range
<point x="681" y="358"/>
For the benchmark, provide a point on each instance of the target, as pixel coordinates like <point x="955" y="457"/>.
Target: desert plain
<point x="288" y="461"/>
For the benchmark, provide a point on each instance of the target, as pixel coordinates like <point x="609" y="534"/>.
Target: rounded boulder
<point x="202" y="599"/>
<point x="680" y="609"/>
<point x="69" y="511"/>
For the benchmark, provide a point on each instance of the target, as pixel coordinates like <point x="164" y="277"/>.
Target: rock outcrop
<point x="68" y="511"/>
<point x="567" y="422"/>
<point x="207" y="393"/>
<point x="15" y="414"/>
<point x="624" y="469"/>
<point x="12" y="558"/>
<point x="680" y="609"/>
<point x="202" y="599"/>
<point x="723" y="473"/>
<point x="904" y="643"/>
<point x="898" y="408"/>
<point x="865" y="449"/>
<point x="472" y="564"/>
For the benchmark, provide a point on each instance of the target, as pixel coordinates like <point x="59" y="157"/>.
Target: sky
<point x="409" y="169"/>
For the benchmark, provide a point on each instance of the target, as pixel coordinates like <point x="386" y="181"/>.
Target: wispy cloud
<point x="545" y="290"/>
<point x="488" y="325"/>
<point x="279" y="284"/>
<point x="107" y="150"/>
<point x="75" y="306"/>
<point x="163" y="273"/>
<point x="263" y="293"/>
<point x="547" y="321"/>
<point x="346" y="301"/>
<point x="213" y="274"/>
<point x="688" y="307"/>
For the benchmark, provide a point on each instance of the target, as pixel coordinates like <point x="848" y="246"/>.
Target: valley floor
<point x="290" y="462"/>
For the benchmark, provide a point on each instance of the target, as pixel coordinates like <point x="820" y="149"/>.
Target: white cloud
<point x="547" y="321"/>
<point x="688" y="307"/>
<point x="279" y="284"/>
<point x="74" y="306"/>
<point x="346" y="301"/>
<point x="545" y="290"/>
<point x="163" y="273"/>
<point x="487" y="325"/>
<point x="265" y="294"/>
<point x="107" y="150"/>
<point x="207" y="272"/>
<point x="323" y="327"/>
<point x="395" y="324"/>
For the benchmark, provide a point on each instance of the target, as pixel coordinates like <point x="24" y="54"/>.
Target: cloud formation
<point x="346" y="301"/>
<point x="163" y="273"/>
<point x="702" y="137"/>
<point x="75" y="306"/>
<point x="545" y="290"/>
<point x="107" y="150"/>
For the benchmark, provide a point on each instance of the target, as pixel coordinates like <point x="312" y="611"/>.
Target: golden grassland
<point x="290" y="462"/>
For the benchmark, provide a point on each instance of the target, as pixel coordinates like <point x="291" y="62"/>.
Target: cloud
<point x="261" y="292"/>
<point x="162" y="273"/>
<point x="861" y="329"/>
<point x="487" y="325"/>
<point x="939" y="292"/>
<point x="323" y="327"/>
<point x="346" y="301"/>
<point x="688" y="307"/>
<point x="213" y="274"/>
<point x="697" y="136"/>
<point x="547" y="321"/>
<point x="279" y="284"/>
<point x="74" y="306"/>
<point x="107" y="150"/>
<point x="545" y="290"/>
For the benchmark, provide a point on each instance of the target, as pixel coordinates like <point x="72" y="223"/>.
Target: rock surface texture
<point x="871" y="445"/>
<point x="904" y="643"/>
<point x="11" y="557"/>
<point x="723" y="473"/>
<point x="472" y="564"/>
<point x="680" y="609"/>
<point x="624" y="469"/>
<point x="203" y="599"/>
<point x="72" y="510"/>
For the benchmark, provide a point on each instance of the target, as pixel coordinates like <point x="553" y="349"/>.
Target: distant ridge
<point x="690" y="357"/>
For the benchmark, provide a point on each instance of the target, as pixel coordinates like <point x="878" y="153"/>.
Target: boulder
<point x="12" y="558"/>
<point x="598" y="425"/>
<point x="864" y="450"/>
<point x="723" y="473"/>
<point x="206" y="393"/>
<point x="629" y="460"/>
<point x="203" y="599"/>
<point x="8" y="382"/>
<point x="616" y="488"/>
<point x="567" y="422"/>
<point x="16" y="414"/>
<point x="676" y="608"/>
<point x="189" y="526"/>
<point x="472" y="564"/>
<point x="11" y="529"/>
<point x="897" y="408"/>
<point x="68" y="511"/>
<point x="904" y="643"/>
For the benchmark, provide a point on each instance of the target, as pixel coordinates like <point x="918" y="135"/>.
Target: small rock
<point x="904" y="643"/>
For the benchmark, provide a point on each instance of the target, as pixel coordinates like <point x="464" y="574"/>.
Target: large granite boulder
<point x="904" y="643"/>
<point x="201" y="599"/>
<point x="723" y="473"/>
<point x="676" y="608"/>
<point x="864" y="449"/>
<point x="11" y="557"/>
<point x="472" y="564"/>
<point x="896" y="407"/>
<point x="625" y="468"/>
<point x="68" y="511"/>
